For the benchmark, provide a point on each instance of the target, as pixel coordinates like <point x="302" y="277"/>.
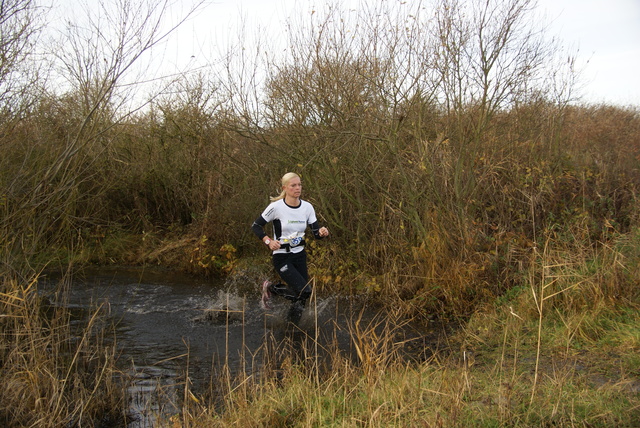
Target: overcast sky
<point x="605" y="33"/>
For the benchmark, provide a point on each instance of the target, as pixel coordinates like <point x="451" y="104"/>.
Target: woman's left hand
<point x="323" y="232"/>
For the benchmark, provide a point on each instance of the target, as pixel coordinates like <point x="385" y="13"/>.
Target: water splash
<point x="226" y="306"/>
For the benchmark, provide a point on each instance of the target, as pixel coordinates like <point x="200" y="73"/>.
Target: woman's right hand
<point x="272" y="244"/>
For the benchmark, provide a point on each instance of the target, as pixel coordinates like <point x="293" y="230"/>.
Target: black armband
<point x="315" y="229"/>
<point x="258" y="227"/>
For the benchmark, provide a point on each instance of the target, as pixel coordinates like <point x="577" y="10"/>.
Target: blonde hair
<point x="285" y="180"/>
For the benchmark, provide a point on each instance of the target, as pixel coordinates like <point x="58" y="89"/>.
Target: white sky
<point x="605" y="33"/>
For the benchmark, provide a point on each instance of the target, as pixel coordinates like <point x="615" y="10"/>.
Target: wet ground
<point x="169" y="325"/>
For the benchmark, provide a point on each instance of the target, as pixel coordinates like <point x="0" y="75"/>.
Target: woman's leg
<point x="292" y="268"/>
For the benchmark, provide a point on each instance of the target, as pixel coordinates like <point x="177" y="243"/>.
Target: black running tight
<point x="292" y="268"/>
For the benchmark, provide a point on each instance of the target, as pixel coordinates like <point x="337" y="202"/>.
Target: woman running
<point x="290" y="216"/>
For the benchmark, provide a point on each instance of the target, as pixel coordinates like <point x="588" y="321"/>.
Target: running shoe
<point x="265" y="302"/>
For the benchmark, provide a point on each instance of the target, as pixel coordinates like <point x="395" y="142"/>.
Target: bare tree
<point x="98" y="57"/>
<point x="19" y="29"/>
<point x="491" y="54"/>
<point x="100" y="53"/>
<point x="384" y="83"/>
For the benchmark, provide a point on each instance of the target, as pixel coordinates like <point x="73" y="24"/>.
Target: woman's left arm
<point x="319" y="232"/>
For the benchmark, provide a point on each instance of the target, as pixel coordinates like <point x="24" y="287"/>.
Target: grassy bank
<point x="53" y="374"/>
<point x="561" y="350"/>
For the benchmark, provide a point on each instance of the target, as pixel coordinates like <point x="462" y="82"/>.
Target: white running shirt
<point x="289" y="223"/>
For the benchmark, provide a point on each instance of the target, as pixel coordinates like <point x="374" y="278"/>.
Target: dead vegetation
<point x="457" y="172"/>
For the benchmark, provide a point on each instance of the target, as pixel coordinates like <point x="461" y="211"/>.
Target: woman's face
<point x="293" y="188"/>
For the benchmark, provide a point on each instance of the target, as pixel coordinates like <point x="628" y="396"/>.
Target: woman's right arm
<point x="258" y="227"/>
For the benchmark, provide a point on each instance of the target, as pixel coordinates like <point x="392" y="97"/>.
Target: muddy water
<point x="171" y="327"/>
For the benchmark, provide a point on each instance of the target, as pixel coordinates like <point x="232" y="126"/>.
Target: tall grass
<point x="538" y="222"/>
<point x="54" y="374"/>
<point x="535" y="358"/>
<point x="517" y="213"/>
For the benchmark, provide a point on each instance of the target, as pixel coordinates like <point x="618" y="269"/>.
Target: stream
<point x="169" y="324"/>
